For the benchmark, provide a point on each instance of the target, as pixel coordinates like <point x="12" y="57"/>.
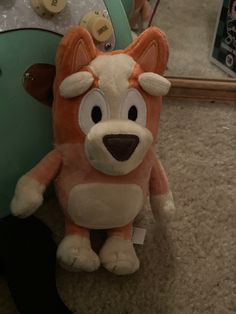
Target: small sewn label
<point x="138" y="236"/>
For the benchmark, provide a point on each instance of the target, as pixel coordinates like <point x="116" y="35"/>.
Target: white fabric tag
<point x="138" y="236"/>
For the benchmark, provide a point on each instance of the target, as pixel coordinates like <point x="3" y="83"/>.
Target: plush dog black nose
<point x="121" y="146"/>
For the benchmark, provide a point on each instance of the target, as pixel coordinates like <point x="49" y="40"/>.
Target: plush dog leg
<point x="74" y="252"/>
<point x="28" y="258"/>
<point x="118" y="254"/>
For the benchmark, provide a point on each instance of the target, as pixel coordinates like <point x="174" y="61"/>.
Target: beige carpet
<point x="189" y="265"/>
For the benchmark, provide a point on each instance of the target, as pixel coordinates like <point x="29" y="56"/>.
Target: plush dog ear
<point x="38" y="82"/>
<point x="150" y="50"/>
<point x="75" y="51"/>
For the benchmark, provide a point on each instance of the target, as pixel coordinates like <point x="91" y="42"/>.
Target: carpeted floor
<point x="189" y="265"/>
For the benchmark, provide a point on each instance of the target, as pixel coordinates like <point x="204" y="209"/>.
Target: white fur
<point x="118" y="256"/>
<point x="75" y="253"/>
<point x="28" y="197"/>
<point x="98" y="155"/>
<point x="103" y="206"/>
<point x="114" y="73"/>
<point x="76" y="84"/>
<point x="154" y="84"/>
<point x="163" y="206"/>
<point x="92" y="98"/>
<point x="134" y="97"/>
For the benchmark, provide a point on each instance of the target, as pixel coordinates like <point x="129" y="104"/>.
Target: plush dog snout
<point x="121" y="146"/>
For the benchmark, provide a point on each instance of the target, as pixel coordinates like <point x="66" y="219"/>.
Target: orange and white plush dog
<point x="106" y="111"/>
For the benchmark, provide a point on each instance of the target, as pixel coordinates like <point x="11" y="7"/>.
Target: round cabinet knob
<point x="48" y="8"/>
<point x="98" y="25"/>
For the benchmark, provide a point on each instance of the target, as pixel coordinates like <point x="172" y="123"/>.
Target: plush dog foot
<point x="75" y="254"/>
<point x="119" y="257"/>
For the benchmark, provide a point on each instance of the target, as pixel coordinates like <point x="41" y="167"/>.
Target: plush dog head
<point x="110" y="102"/>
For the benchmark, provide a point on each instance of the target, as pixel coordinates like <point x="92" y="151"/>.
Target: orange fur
<point x="71" y="229"/>
<point x="47" y="169"/>
<point x="123" y="232"/>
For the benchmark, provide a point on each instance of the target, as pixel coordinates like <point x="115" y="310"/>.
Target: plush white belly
<point x="104" y="206"/>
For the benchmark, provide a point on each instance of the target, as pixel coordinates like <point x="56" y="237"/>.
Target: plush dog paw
<point x="118" y="256"/>
<point x="163" y="206"/>
<point x="28" y="197"/>
<point x="75" y="254"/>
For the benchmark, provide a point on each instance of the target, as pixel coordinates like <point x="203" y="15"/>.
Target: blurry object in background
<point x="141" y="15"/>
<point x="154" y="11"/>
<point x="224" y="45"/>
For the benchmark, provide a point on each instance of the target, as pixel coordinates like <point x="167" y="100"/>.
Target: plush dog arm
<point x="163" y="206"/>
<point x="29" y="190"/>
<point x="161" y="198"/>
<point x="28" y="197"/>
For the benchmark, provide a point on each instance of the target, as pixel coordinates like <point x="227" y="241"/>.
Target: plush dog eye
<point x="133" y="113"/>
<point x="134" y="107"/>
<point x="96" y="114"/>
<point x="93" y="109"/>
